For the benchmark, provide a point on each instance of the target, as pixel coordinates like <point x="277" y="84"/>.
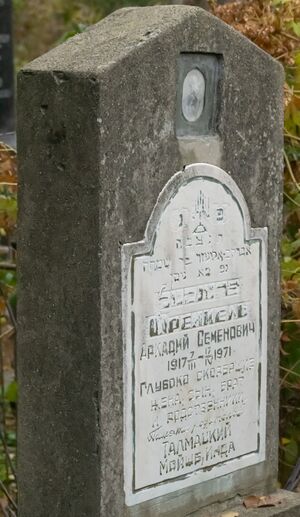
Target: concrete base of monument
<point x="289" y="507"/>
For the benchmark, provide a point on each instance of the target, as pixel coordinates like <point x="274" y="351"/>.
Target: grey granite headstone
<point x="149" y="300"/>
<point x="7" y="124"/>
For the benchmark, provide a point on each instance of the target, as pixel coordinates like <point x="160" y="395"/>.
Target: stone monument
<point x="150" y="152"/>
<point x="7" y="124"/>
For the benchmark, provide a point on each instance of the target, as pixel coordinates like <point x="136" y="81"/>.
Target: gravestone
<point x="150" y="152"/>
<point x="6" y="69"/>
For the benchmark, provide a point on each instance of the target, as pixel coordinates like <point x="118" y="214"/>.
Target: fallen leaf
<point x="292" y="284"/>
<point x="296" y="308"/>
<point x="3" y="503"/>
<point x="285" y="338"/>
<point x="254" y="501"/>
<point x="230" y="514"/>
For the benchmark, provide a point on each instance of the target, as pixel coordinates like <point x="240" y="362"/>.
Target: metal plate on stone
<point x="194" y="318"/>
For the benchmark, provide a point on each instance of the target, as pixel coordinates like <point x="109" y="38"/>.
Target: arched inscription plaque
<point x="195" y="317"/>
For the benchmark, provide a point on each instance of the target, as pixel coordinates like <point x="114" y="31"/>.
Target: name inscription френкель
<point x="194" y="315"/>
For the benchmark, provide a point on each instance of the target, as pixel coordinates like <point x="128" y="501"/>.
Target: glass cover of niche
<point x="198" y="94"/>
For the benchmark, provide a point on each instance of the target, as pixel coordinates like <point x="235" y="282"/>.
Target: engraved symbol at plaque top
<point x="194" y="318"/>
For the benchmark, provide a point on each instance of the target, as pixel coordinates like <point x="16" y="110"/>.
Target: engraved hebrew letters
<point x="194" y="316"/>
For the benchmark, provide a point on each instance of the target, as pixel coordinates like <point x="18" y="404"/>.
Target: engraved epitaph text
<point x="194" y="315"/>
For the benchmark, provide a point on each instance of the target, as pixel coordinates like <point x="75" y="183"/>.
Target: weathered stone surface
<point x="97" y="143"/>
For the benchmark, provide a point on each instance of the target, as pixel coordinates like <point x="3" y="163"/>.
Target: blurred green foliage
<point x="39" y="25"/>
<point x="290" y="347"/>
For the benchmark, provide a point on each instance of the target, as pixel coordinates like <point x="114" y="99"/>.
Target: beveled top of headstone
<point x="123" y="32"/>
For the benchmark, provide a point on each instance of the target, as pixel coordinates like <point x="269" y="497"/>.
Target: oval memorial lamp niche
<point x="193" y="95"/>
<point x="198" y="94"/>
